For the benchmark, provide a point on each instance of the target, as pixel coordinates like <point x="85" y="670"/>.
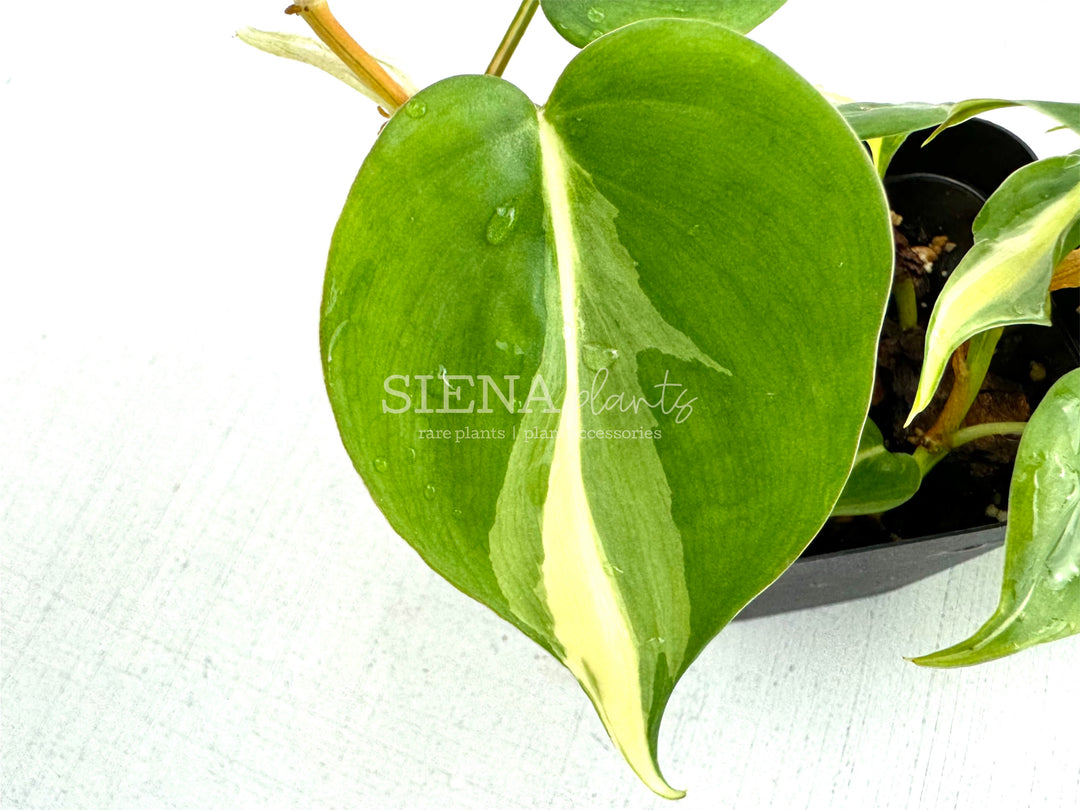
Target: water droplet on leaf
<point x="429" y="492"/>
<point x="410" y="455"/>
<point x="334" y="336"/>
<point x="1055" y="628"/>
<point x="595" y="15"/>
<point x="597" y="33"/>
<point x="381" y="464"/>
<point x="436" y="385"/>
<point x="331" y="298"/>
<point x="1062" y="571"/>
<point x="501" y="224"/>
<point x="416" y="109"/>
<point x="597" y="357"/>
<point x="502" y="345"/>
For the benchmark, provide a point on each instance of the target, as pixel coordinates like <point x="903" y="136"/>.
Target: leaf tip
<point x="941" y="128"/>
<point x="640" y="754"/>
<point x="659" y="785"/>
<point x="916" y="409"/>
<point x="927" y="386"/>
<point x="930" y="661"/>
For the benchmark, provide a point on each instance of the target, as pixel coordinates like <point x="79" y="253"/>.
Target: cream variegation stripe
<point x="590" y="621"/>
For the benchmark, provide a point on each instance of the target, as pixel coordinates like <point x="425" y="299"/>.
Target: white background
<point x="201" y="606"/>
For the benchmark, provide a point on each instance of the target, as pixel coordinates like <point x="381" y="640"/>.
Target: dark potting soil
<point x="970" y="488"/>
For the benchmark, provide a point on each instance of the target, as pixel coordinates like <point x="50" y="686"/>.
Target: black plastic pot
<point x="977" y="153"/>
<point x="940" y="189"/>
<point x="825" y="579"/>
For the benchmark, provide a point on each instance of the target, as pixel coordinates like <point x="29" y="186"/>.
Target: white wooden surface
<point x="201" y="606"/>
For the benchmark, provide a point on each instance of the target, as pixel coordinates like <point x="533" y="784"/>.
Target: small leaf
<point x="1068" y="115"/>
<point x="1021" y="234"/>
<point x="878" y="120"/>
<point x="582" y="21"/>
<point x="894" y="122"/>
<point x="886" y="126"/>
<point x="879" y="480"/>
<point x="314" y="53"/>
<point x="583" y="297"/>
<point x="1040" y="596"/>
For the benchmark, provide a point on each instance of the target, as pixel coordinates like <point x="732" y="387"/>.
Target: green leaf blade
<point x="643" y="251"/>
<point x="443" y="174"/>
<point x="1021" y="233"/>
<point x="881" y="120"/>
<point x="677" y="240"/>
<point x="582" y="21"/>
<point x="894" y="122"/>
<point x="1040" y="598"/>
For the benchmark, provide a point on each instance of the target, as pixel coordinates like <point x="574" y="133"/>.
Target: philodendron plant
<point x="606" y="362"/>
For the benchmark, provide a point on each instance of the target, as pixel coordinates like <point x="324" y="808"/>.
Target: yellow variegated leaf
<point x="1026" y="227"/>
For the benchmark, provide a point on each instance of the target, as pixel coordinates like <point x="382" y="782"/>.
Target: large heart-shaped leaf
<point x="605" y="364"/>
<point x="1026" y="227"/>
<point x="582" y="21"/>
<point x="879" y="480"/>
<point x="1040" y="598"/>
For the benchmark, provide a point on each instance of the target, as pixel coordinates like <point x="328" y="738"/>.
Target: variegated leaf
<point x="1022" y="232"/>
<point x="556" y="352"/>
<point x="1040" y="596"/>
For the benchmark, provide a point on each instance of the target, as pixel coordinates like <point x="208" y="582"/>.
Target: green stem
<point x="907" y="307"/>
<point x="317" y="14"/>
<point x="928" y="460"/>
<point x="973" y="432"/>
<point x="512" y="37"/>
<point x="970" y="364"/>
